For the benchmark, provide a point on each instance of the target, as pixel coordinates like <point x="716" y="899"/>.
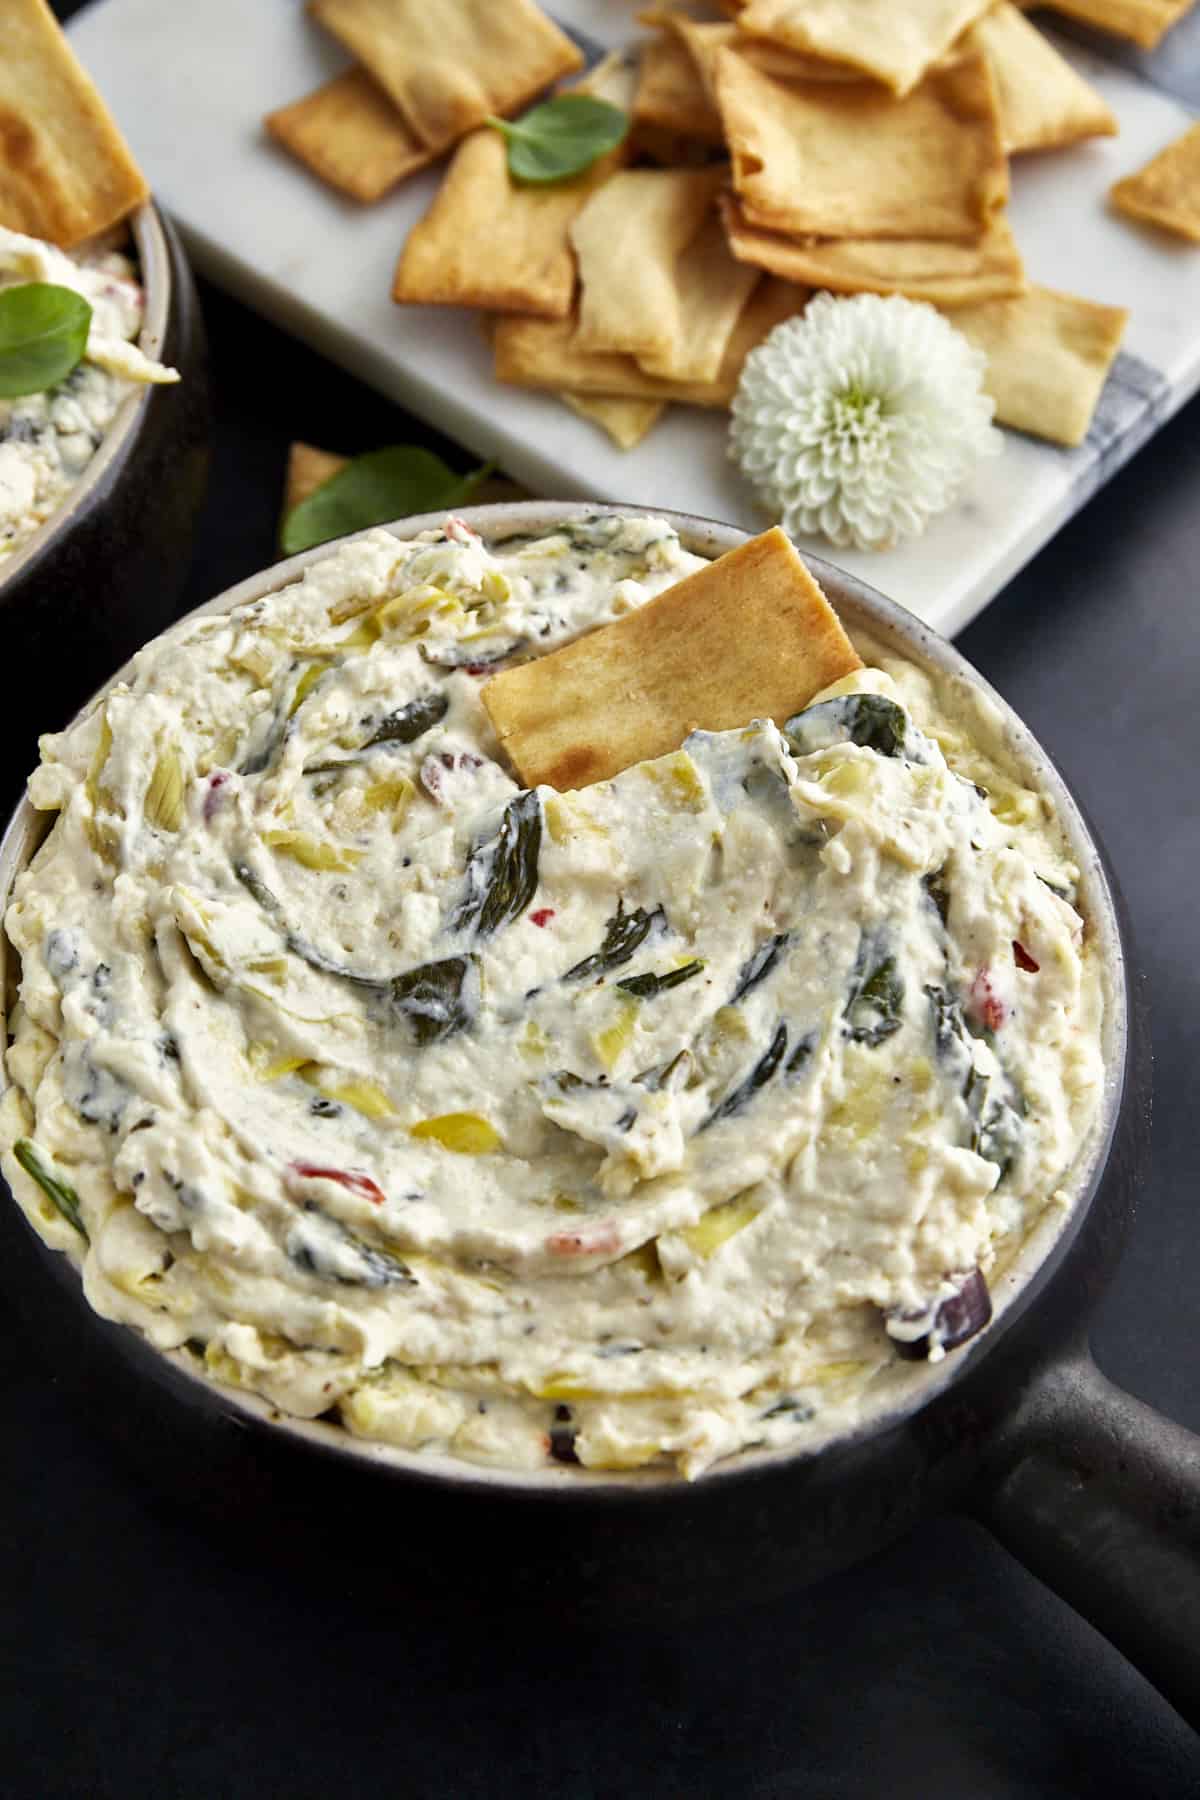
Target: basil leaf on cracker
<point x="562" y="137"/>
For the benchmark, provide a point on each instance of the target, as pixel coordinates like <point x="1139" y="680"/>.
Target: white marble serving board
<point x="190" y="83"/>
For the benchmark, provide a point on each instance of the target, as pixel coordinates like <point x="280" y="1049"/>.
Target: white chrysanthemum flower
<point x="861" y="418"/>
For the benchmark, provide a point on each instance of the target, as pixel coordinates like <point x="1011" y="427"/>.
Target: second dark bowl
<point x="106" y="571"/>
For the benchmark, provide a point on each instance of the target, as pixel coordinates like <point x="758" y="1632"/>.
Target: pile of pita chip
<point x="792" y="146"/>
<point x="66" y="172"/>
<point x="424" y="76"/>
<point x="869" y="149"/>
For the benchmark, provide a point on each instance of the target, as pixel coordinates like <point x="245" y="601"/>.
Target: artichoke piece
<point x="393" y="796"/>
<point x="869" y="720"/>
<point x="438" y="998"/>
<point x="720" y="1224"/>
<point x="60" y="1193"/>
<point x="366" y="1097"/>
<point x="502" y="874"/>
<point x="467" y="1134"/>
<point x="305" y="686"/>
<point x="623" y="935"/>
<point x="311" y="852"/>
<point x="163" y="805"/>
<point x="611" y="1043"/>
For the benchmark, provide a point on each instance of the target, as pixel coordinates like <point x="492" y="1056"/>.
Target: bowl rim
<point x="893" y="630"/>
<point x="154" y="262"/>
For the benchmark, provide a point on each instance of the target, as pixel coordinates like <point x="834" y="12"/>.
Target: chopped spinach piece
<point x="758" y="1077"/>
<point x="756" y="968"/>
<point x="259" y="889"/>
<point x="801" y="1056"/>
<point x="996" y="1128"/>
<point x="318" y="1244"/>
<point x="663" y="1074"/>
<point x="60" y="1193"/>
<point x="868" y="720"/>
<point x="949" y="1025"/>
<point x="408" y="723"/>
<point x="938" y="893"/>
<point x="875" y="1006"/>
<point x="789" y="1407"/>
<point x="502" y="874"/>
<point x="645" y="987"/>
<point x="470" y="656"/>
<point x="437" y="999"/>
<point x="623" y="935"/>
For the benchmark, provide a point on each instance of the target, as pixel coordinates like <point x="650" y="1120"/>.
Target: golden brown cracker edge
<point x="749" y="636"/>
<point x="66" y="172"/>
<point x="348" y="134"/>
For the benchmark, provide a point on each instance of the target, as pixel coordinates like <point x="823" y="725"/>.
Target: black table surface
<point x="137" y="1657"/>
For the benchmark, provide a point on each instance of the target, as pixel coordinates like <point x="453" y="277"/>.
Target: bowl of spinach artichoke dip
<point x="706" y="1112"/>
<point x="103" y="424"/>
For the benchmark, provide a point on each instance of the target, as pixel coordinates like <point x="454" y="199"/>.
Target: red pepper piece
<point x="591" y="1240"/>
<point x="362" y="1185"/>
<point x="1023" y="959"/>
<point x="543" y="915"/>
<point x="212" y="799"/>
<point x="985" y="1003"/>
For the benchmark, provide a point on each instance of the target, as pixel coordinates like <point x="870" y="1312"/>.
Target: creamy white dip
<point x="635" y="1124"/>
<point x="48" y="439"/>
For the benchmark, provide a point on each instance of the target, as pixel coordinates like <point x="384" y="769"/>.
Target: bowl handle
<point x="1099" y="1496"/>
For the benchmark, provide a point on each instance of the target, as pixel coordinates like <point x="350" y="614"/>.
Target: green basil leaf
<point x="43" y="335"/>
<point x="371" y="490"/>
<point x="562" y="137"/>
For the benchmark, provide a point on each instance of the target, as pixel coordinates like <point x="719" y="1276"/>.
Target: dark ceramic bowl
<point x="1095" y="1492"/>
<point x="105" y="572"/>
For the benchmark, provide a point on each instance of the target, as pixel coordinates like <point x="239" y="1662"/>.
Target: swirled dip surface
<point x="48" y="439"/>
<point x="639" y="1123"/>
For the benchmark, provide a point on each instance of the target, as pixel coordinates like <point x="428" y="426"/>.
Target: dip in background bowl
<point x="106" y="569"/>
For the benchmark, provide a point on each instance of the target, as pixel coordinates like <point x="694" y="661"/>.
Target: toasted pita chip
<point x="543" y="353"/>
<point x="672" y="94"/>
<point x="749" y="637"/>
<point x="350" y="135"/>
<point x="628" y="239"/>
<point x="1043" y="102"/>
<point x="846" y="159"/>
<point x="1167" y="190"/>
<point x="65" y="170"/>
<point x="702" y="40"/>
<point x="712" y="288"/>
<point x="448" y="66"/>
<point x="1145" y="21"/>
<point x="894" y="41"/>
<point x="489" y="242"/>
<point x="625" y="421"/>
<point x="307" y="469"/>
<point x="1048" y="356"/>
<point x="934" y="269"/>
